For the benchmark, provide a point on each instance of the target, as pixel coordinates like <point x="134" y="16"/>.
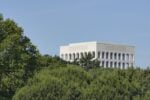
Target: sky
<point x="51" y="23"/>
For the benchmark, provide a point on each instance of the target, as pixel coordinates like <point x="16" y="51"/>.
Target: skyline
<point x="50" y="24"/>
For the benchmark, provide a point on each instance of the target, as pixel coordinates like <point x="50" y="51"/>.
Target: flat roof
<point x="95" y="42"/>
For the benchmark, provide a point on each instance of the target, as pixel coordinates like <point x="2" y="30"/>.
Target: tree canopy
<point x="17" y="57"/>
<point x="75" y="83"/>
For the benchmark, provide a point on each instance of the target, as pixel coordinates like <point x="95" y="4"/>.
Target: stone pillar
<point x="129" y="58"/>
<point x="104" y="64"/>
<point x="109" y="64"/>
<point x="120" y="65"/>
<point x="133" y="57"/>
<point x="96" y="54"/>
<point x="104" y="55"/>
<point x="121" y="56"/>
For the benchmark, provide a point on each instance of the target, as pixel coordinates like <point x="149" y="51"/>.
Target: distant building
<point x="109" y="55"/>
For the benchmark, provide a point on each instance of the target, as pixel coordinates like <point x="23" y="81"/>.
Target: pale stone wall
<point x="116" y="55"/>
<point x="109" y="55"/>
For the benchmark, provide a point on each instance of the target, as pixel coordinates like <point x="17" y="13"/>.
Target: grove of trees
<point x="25" y="74"/>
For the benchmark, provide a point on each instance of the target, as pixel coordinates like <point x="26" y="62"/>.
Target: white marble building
<point x="109" y="55"/>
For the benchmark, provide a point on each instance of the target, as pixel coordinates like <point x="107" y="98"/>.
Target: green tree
<point x="88" y="61"/>
<point x="18" y="57"/>
<point x="60" y="83"/>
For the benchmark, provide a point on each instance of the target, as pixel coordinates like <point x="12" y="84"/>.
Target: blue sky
<point x="51" y="23"/>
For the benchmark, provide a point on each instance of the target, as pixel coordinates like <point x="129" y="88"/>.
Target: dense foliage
<point x="25" y="74"/>
<point x="18" y="58"/>
<point x="75" y="83"/>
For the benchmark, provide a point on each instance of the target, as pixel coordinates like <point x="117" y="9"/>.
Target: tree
<point x="87" y="61"/>
<point x="60" y="83"/>
<point x="18" y="57"/>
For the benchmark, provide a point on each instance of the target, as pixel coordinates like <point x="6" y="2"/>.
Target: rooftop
<point x="95" y="42"/>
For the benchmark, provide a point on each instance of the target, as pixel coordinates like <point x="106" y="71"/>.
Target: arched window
<point x="111" y="55"/>
<point x="99" y="54"/>
<point x="127" y="57"/>
<point x="103" y="63"/>
<point x="119" y="65"/>
<point x="77" y="55"/>
<point x="123" y="56"/>
<point x="107" y="64"/>
<point x="73" y="56"/>
<point x="107" y="54"/>
<point x="70" y="57"/>
<point x="103" y="55"/>
<point x="127" y="64"/>
<point x="115" y="64"/>
<point x="119" y="56"/>
<point x="123" y="65"/>
<point x="115" y="56"/>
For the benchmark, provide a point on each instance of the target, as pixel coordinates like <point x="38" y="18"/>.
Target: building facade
<point x="109" y="55"/>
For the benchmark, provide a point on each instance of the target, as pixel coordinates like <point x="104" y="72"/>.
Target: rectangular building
<point x="109" y="55"/>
